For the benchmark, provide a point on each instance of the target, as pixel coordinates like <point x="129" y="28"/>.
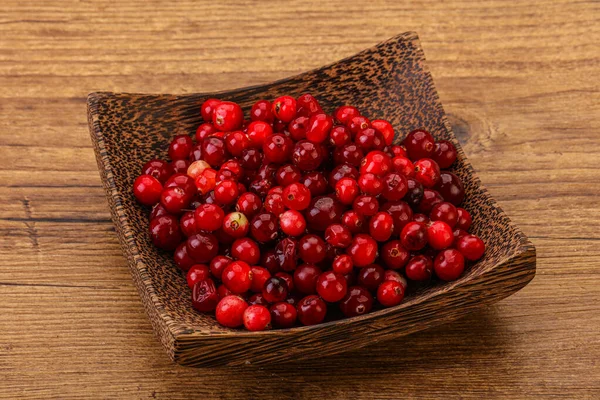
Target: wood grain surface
<point x="519" y="79"/>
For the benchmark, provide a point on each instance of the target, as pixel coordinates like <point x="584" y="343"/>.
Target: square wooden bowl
<point x="388" y="81"/>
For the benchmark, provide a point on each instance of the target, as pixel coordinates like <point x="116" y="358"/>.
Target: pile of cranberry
<point x="277" y="219"/>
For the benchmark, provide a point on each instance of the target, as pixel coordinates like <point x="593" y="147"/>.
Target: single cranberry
<point x="381" y="226"/>
<point x="370" y="139"/>
<point x="471" y="247"/>
<point x="393" y="255"/>
<point x="338" y="235"/>
<point x="344" y="114"/>
<point x="209" y="217"/>
<point x="349" y="154"/>
<point x="183" y="181"/>
<point x="258" y="132"/>
<point x="292" y="223"/>
<point x="236" y="142"/>
<point x="165" y="232"/>
<point x="249" y="204"/>
<point x="227" y="116"/>
<point x="204" y="130"/>
<point x="197" y="273"/>
<point x="218" y="265"/>
<point x="158" y="169"/>
<point x="331" y="286"/>
<point x="403" y="166"/>
<point x="262" y="111"/>
<point x="365" y="205"/>
<point x="226" y="192"/>
<point x="289" y="280"/>
<point x="414" y="195"/>
<point x="236" y="225"/>
<point x="284" y="108"/>
<point x="274" y="203"/>
<point x="206" y="181"/>
<point x="202" y="247"/>
<point x="223" y="292"/>
<point x="371" y="276"/>
<point x="427" y="172"/>
<point x="196" y="168"/>
<point x="449" y="264"/>
<point x="394" y="276"/>
<point x="296" y="196"/>
<point x="175" y="199"/>
<point x="451" y="188"/>
<point x="311" y="310"/>
<point x="370" y="184"/>
<point x="322" y="212"/>
<point x="187" y="224"/>
<point x="346" y="190"/>
<point x="339" y="136"/>
<point x="305" y="278"/>
<point x="342" y="264"/>
<point x="376" y="162"/>
<point x="386" y="129"/>
<point x="286" y="252"/>
<point x="306" y="156"/>
<point x="230" y="311"/>
<point x="288" y="174"/>
<point x="180" y="147"/>
<point x="398" y="151"/>
<point x="180" y="166"/>
<point x="357" y="124"/>
<point x="463" y="220"/>
<point x="319" y="127"/>
<point x="246" y="249"/>
<point x="147" y="190"/>
<point x="444" y="154"/>
<point x="196" y="152"/>
<point x="315" y="182"/>
<point x="358" y="301"/>
<point x="419" y="144"/>
<point x="440" y="235"/>
<point x="207" y="109"/>
<point x="275" y="289"/>
<point x="307" y="104"/>
<point x="312" y="249"/>
<point x="353" y="221"/>
<point x="237" y="277"/>
<point x="430" y="199"/>
<point x="234" y="166"/>
<point x="251" y="158"/>
<point x="363" y="250"/>
<point x="257" y="318"/>
<point x="259" y="276"/>
<point x="263" y="227"/>
<point x="395" y="186"/>
<point x="390" y="293"/>
<point x="261" y="187"/>
<point x="401" y="214"/>
<point x="419" y="268"/>
<point x="283" y="314"/>
<point x="444" y="212"/>
<point x="182" y="258"/>
<point x="297" y="128"/>
<point x="414" y="236"/>
<point x="204" y="295"/>
<point x="213" y="151"/>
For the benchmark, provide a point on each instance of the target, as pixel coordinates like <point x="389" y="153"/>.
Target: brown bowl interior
<point x="387" y="81"/>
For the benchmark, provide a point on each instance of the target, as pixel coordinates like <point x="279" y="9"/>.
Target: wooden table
<point x="519" y="79"/>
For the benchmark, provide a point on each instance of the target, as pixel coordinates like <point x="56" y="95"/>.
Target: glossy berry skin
<point x="371" y="276"/>
<point x="204" y="130"/>
<point x="342" y="264"/>
<point x="349" y="154"/>
<point x="197" y="273"/>
<point x="289" y="280"/>
<point x="381" y="226"/>
<point x="305" y="278"/>
<point x="175" y="199"/>
<point x="230" y="311"/>
<point x="262" y="111"/>
<point x="196" y="152"/>
<point x="414" y="194"/>
<point x="296" y="196"/>
<point x="414" y="236"/>
<point x="376" y="162"/>
<point x="419" y="144"/>
<point x="204" y="295"/>
<point x="226" y="192"/>
<point x="398" y="151"/>
<point x="258" y="132"/>
<point x="357" y="124"/>
<point x="275" y="289"/>
<point x="284" y="108"/>
<point x="401" y="214"/>
<point x="236" y="225"/>
<point x="236" y="142"/>
<point x="248" y="204"/>
<point x="196" y="168"/>
<point x="218" y="265"/>
<point x="263" y="227"/>
<point x="370" y="184"/>
<point x="209" y="217"/>
<point x="464" y="219"/>
<point x="444" y="154"/>
<point x="316" y="183"/>
<point x="207" y="109"/>
<point x="331" y="286"/>
<point x="237" y="277"/>
<point x="180" y="166"/>
<point x="288" y="174"/>
<point x="390" y="293"/>
<point x="386" y="129"/>
<point x="297" y="128"/>
<point x="202" y="247"/>
<point x="354" y="221"/>
<point x="311" y="249"/>
<point x="259" y="276"/>
<point x="419" y="268"/>
<point x="286" y="254"/>
<point x="213" y="151"/>
<point x="306" y="156"/>
<point x="182" y="258"/>
<point x="449" y="264"/>
<point x="319" y="126"/>
<point x="430" y="199"/>
<point x="307" y="105"/>
<point x="439" y="235"/>
<point x="451" y="188"/>
<point x="274" y="203"/>
<point x="159" y="169"/>
<point x="393" y="255"/>
<point x="471" y="247"/>
<point x="227" y="116"/>
<point x="338" y="235"/>
<point x="180" y="147"/>
<point x="358" y="301"/>
<point x="366" y="205"/>
<point x="339" y="136"/>
<point x="427" y="172"/>
<point x="223" y="292"/>
<point x="311" y="310"/>
<point x="183" y="181"/>
<point x="157" y="211"/>
<point x="165" y="232"/>
<point x="363" y="250"/>
<point x="346" y="190"/>
<point x="257" y="298"/>
<point x="344" y="114"/>
<point x="395" y="186"/>
<point x="187" y="224"/>
<point x="283" y="314"/>
<point x="147" y="190"/>
<point x="403" y="166"/>
<point x="246" y="249"/>
<point x="257" y="318"/>
<point x="292" y="223"/>
<point x="370" y="139"/>
<point x="206" y="181"/>
<point x="444" y="212"/>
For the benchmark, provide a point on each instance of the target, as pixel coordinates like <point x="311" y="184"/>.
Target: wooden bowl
<point x="388" y="81"/>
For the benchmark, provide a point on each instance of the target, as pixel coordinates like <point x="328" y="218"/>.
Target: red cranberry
<point x="262" y="111"/>
<point x="451" y="188"/>
<point x="306" y="156"/>
<point x="213" y="151"/>
<point x="376" y="162"/>
<point x="223" y="292"/>
<point x="440" y="235"/>
<point x="209" y="217"/>
<point x="274" y="203"/>
<point x="237" y="277"/>
<point x="414" y="236"/>
<point x="305" y="278"/>
<point x="370" y="139"/>
<point x="263" y="227"/>
<point x="288" y="174"/>
<point x="197" y="273"/>
<point x="292" y="223"/>
<point x="365" y="205"/>
<point x="204" y="295"/>
<point x="283" y="315"/>
<point x="346" y="190"/>
<point x="381" y="226"/>
<point x="398" y="151"/>
<point x="338" y="235"/>
<point x="331" y="286"/>
<point x="247" y="250"/>
<point x="182" y="258"/>
<point x="257" y="298"/>
<point x="175" y="199"/>
<point x="227" y="116"/>
<point x="275" y="289"/>
<point x="236" y="142"/>
<point x="353" y="221"/>
<point x="342" y="171"/>
<point x="363" y="250"/>
<point x="427" y="172"/>
<point x="187" y="224"/>
<point x="403" y="166"/>
<point x="430" y="199"/>
<point x="234" y="166"/>
<point x="230" y="311"/>
<point x="296" y="196"/>
<point x="464" y="219"/>
<point x="401" y="214"/>
<point x="261" y="187"/>
<point x="202" y="247"/>
<point x="226" y="192"/>
<point x="165" y="232"/>
<point x="444" y="212"/>
<point x="339" y="136"/>
<point x="471" y="247"/>
<point x="257" y="318"/>
<point x="444" y="154"/>
<point x="204" y="130"/>
<point x="286" y="252"/>
<point x="196" y="153"/>
<point x="390" y="293"/>
<point x="419" y="144"/>
<point x="394" y="276"/>
<point x="258" y="132"/>
<point x="342" y="264"/>
<point x="419" y="268"/>
<point x="183" y="181"/>
<point x="251" y="158"/>
<point x="370" y="277"/>
<point x="394" y="256"/>
<point x="395" y="186"/>
<point x="349" y="154"/>
<point x="370" y="184"/>
<point x="358" y="301"/>
<point x="322" y="212"/>
<point x="284" y="108"/>
<point x="357" y="124"/>
<point x="180" y="147"/>
<point x="249" y="204"/>
<point x="147" y="190"/>
<point x="297" y="128"/>
<point x="308" y="105"/>
<point x="269" y="261"/>
<point x="344" y="114"/>
<point x="311" y="249"/>
<point x="318" y="129"/>
<point x="386" y="129"/>
<point x="207" y="109"/>
<point x="449" y="265"/>
<point x="315" y="182"/>
<point x="289" y="280"/>
<point x="157" y="211"/>
<point x="414" y="195"/>
<point x="311" y="310"/>
<point x="206" y="181"/>
<point x="159" y="169"/>
<point x="218" y="265"/>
